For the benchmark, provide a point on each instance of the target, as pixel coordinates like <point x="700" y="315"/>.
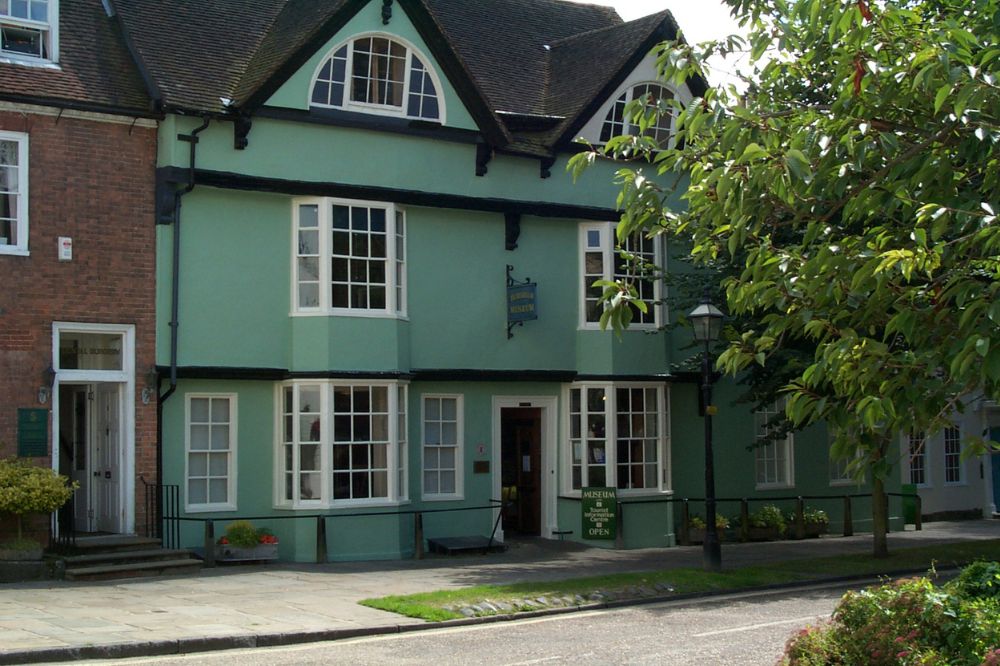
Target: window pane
<point x="220" y="410"/>
<point x="197" y="464"/>
<point x="199" y="437"/>
<point x="220" y="437"/>
<point x="218" y="464"/>
<point x="218" y="491"/>
<point x="197" y="491"/>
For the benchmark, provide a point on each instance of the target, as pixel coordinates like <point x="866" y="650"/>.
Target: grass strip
<point x="443" y="604"/>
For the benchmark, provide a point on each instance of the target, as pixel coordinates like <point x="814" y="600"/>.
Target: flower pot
<point x="769" y="533"/>
<point x="259" y="553"/>
<point x="697" y="534"/>
<point x="813" y="530"/>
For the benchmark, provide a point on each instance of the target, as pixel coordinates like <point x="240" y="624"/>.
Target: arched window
<point x="616" y="124"/>
<point x="377" y="74"/>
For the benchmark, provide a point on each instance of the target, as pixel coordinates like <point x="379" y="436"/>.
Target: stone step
<point x="123" y="556"/>
<point x="113" y="543"/>
<point x="135" y="570"/>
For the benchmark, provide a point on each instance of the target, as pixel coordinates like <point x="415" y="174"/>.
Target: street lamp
<point x="706" y="319"/>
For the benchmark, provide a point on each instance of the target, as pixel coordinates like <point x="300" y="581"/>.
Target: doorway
<point x="521" y="469"/>
<point x="90" y="453"/>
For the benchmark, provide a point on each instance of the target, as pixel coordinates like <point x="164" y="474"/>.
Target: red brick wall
<point x="94" y="182"/>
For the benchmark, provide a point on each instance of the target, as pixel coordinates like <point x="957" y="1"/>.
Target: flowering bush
<point x="27" y="488"/>
<point x="815" y="516"/>
<point x="721" y="522"/>
<point x="905" y="623"/>
<point x="768" y="516"/>
<point x="243" y="534"/>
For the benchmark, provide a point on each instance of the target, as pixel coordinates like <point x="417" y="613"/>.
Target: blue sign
<point x="521" y="302"/>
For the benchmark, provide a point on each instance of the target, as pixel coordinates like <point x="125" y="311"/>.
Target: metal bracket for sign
<point x="513" y="282"/>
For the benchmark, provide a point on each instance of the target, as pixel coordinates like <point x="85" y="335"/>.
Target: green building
<point x="347" y="192"/>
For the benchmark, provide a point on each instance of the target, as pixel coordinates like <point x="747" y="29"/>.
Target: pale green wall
<point x="735" y="476"/>
<point x="295" y="92"/>
<point x="235" y="291"/>
<point x="325" y="154"/>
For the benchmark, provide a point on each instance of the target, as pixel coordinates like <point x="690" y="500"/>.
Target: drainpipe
<point x="192" y="139"/>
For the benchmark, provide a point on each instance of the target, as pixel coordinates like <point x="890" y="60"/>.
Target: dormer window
<point x="654" y="96"/>
<point x="378" y="74"/>
<point x="27" y="28"/>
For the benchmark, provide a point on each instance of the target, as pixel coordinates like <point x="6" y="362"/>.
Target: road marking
<point x="536" y="661"/>
<point x="762" y="625"/>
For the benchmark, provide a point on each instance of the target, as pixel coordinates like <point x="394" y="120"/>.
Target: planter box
<point x="813" y="530"/>
<point x="763" y="533"/>
<point x="259" y="553"/>
<point x="697" y="535"/>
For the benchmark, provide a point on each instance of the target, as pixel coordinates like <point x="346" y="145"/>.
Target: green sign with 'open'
<point x="599" y="513"/>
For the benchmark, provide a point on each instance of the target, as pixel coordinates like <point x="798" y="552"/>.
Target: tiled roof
<point x="510" y="57"/>
<point x="95" y="69"/>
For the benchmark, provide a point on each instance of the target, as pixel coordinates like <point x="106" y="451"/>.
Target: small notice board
<point x="599" y="513"/>
<point x="32" y="433"/>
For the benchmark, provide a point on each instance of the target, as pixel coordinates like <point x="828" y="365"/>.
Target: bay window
<point x="342" y="444"/>
<point x="349" y="258"/>
<point x="617" y="437"/>
<point x="602" y="260"/>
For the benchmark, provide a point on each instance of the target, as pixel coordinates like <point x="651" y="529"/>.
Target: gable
<point x="296" y="91"/>
<point x="645" y="72"/>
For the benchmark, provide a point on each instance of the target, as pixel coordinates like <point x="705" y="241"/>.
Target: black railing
<point x="171" y="522"/>
<point x="64" y="537"/>
<point x="798" y="526"/>
<point x="162" y="505"/>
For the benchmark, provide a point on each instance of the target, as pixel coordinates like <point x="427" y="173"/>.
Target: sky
<point x="699" y="20"/>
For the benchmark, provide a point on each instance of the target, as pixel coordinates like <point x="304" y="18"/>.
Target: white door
<point x="106" y="465"/>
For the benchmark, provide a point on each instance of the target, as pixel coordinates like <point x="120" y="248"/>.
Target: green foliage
<point x="908" y="622"/>
<point x="768" y="516"/>
<point x="721" y="522"/>
<point x="852" y="192"/>
<point x="27" y="488"/>
<point x="811" y="515"/>
<point x="979" y="580"/>
<point x="242" y="534"/>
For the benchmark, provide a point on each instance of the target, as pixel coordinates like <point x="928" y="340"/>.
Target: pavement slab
<point x="282" y="603"/>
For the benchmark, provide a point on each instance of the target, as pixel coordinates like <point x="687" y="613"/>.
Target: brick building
<point x="77" y="282"/>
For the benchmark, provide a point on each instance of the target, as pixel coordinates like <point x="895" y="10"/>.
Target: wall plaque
<point x="32" y="433"/>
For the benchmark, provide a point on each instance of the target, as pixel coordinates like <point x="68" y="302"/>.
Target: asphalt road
<point x="736" y="630"/>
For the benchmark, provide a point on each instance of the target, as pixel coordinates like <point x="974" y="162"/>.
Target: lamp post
<point x="706" y="320"/>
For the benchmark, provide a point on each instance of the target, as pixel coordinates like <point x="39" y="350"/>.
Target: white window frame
<point x="956" y="456"/>
<point x="396" y="453"/>
<point x="838" y="469"/>
<point x="50" y="37"/>
<point x="663" y="448"/>
<point x="374" y="108"/>
<point x="785" y="474"/>
<point x="924" y="456"/>
<point x="459" y="468"/>
<point x="395" y="260"/>
<point x="231" y="472"/>
<point x="21" y="223"/>
<point x="609" y="248"/>
<point x="628" y="128"/>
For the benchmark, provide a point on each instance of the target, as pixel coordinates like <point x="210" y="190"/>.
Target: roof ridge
<point x="664" y="15"/>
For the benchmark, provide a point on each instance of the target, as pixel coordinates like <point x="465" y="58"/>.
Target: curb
<point x="212" y="644"/>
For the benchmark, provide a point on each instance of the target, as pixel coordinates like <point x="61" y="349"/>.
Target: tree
<point x="853" y="189"/>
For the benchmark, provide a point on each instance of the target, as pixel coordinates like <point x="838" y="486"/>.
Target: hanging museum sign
<point x="522" y="301"/>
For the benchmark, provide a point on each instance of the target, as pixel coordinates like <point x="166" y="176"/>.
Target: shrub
<point x="815" y="516"/>
<point x="242" y="534"/>
<point x="903" y="623"/>
<point x="27" y="488"/>
<point x="721" y="522"/>
<point x="979" y="580"/>
<point x="768" y="516"/>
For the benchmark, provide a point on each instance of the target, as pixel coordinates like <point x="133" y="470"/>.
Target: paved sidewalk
<point x="287" y="603"/>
